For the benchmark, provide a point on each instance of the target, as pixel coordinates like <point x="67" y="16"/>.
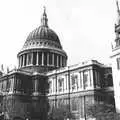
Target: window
<point x="118" y="63"/>
<point x="50" y="86"/>
<point x="74" y="82"/>
<point x="60" y="84"/>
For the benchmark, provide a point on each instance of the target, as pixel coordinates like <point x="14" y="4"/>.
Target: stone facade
<point x="43" y="75"/>
<point x="81" y="85"/>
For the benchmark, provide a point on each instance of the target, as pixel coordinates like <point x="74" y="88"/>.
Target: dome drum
<point x="42" y="58"/>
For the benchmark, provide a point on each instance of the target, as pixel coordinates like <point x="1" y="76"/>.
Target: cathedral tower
<point x="116" y="62"/>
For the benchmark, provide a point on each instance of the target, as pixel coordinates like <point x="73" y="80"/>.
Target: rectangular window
<point x="61" y="84"/>
<point x="118" y="63"/>
<point x="74" y="82"/>
<point x="50" y="86"/>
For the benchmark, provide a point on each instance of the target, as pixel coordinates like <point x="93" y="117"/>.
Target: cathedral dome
<point x="42" y="50"/>
<point x="42" y="36"/>
<point x="43" y="33"/>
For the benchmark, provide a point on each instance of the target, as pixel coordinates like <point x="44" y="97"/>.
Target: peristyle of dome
<point x="42" y="50"/>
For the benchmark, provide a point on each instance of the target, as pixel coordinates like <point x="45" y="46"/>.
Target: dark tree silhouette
<point x="60" y="113"/>
<point x="102" y="111"/>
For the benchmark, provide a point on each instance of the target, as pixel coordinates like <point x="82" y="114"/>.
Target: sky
<point x="85" y="27"/>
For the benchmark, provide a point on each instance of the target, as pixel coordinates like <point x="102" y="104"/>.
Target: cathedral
<point x="43" y="77"/>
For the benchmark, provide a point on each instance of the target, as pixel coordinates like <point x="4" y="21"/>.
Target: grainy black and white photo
<point x="60" y="60"/>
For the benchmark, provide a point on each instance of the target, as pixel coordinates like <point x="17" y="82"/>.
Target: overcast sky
<point x="85" y="27"/>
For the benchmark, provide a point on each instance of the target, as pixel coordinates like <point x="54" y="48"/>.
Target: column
<point x="27" y="59"/>
<point x="61" y="61"/>
<point x="23" y="60"/>
<point x="57" y="61"/>
<point x="42" y="58"/>
<point x="78" y="81"/>
<point x="12" y="85"/>
<point x="55" y="85"/>
<point x="57" y="82"/>
<point x="48" y="58"/>
<point x="19" y="61"/>
<point x="82" y="81"/>
<point x="91" y="78"/>
<point x="36" y="85"/>
<point x="52" y="85"/>
<point x="31" y="58"/>
<point x="37" y="58"/>
<point x="53" y="59"/>
<point x="95" y="79"/>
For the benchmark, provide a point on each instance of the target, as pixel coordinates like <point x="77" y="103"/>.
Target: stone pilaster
<point x="82" y="82"/>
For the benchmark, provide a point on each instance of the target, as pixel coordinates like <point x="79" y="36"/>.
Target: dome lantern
<point x="44" y="20"/>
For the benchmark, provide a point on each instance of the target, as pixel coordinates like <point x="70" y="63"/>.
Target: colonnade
<point x="42" y="58"/>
